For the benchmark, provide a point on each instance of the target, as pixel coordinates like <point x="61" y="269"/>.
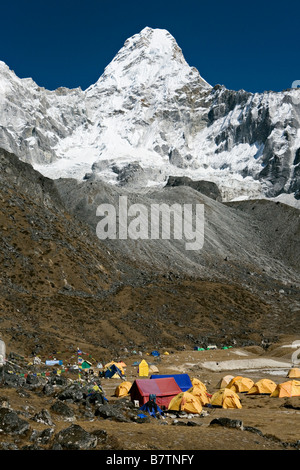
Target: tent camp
<point x="262" y="387"/>
<point x="183" y="380"/>
<point x="123" y="389"/>
<point x="200" y="393"/>
<point x="143" y="369"/>
<point x="291" y="388"/>
<point x="225" y="398"/>
<point x="185" y="401"/>
<point x="240" y="384"/>
<point x="293" y="373"/>
<point x="164" y="389"/>
<point x="224" y="381"/>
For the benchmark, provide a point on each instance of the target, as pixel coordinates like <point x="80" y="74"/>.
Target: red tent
<point x="164" y="389"/>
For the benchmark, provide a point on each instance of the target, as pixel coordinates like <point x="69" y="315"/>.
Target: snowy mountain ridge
<point x="150" y="116"/>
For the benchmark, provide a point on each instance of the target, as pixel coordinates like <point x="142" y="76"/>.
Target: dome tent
<point x="185" y="401"/>
<point x="113" y="372"/>
<point x="291" y="388"/>
<point x="225" y="398"/>
<point x="200" y="394"/>
<point x="119" y="365"/>
<point x="224" y="381"/>
<point x="153" y="368"/>
<point x="198" y="383"/>
<point x="240" y="384"/>
<point x="294" y="372"/>
<point x="123" y="389"/>
<point x="262" y="387"/>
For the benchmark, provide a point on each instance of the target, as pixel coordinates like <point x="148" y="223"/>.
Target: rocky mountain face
<point x="151" y="116"/>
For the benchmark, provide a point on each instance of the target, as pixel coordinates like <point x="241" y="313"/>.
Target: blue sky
<point x="243" y="45"/>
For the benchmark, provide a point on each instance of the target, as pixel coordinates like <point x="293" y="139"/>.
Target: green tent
<point x="85" y="365"/>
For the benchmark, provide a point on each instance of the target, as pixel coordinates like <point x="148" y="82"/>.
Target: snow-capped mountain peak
<point x="150" y="116"/>
<point x="145" y="59"/>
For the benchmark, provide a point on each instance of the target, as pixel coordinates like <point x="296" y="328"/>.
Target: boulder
<point x="42" y="437"/>
<point x="10" y="423"/>
<point x="13" y="380"/>
<point x="112" y="412"/>
<point x="62" y="409"/>
<point x="227" y="422"/>
<point x="74" y="393"/>
<point x="43" y="417"/>
<point x="75" y="438"/>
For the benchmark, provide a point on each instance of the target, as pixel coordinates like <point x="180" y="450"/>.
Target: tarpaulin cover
<point x="182" y="380"/>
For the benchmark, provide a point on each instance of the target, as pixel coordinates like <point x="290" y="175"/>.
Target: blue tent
<point x="155" y="353"/>
<point x="183" y="381"/>
<point x="112" y="371"/>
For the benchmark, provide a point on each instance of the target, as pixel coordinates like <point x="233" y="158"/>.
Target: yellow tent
<point x="225" y="381"/>
<point x="185" y="401"/>
<point x="294" y="373"/>
<point x="240" y="384"/>
<point x="200" y="394"/>
<point x="291" y="388"/>
<point x="123" y="389"/>
<point x="121" y="364"/>
<point x="262" y="387"/>
<point x="143" y="369"/>
<point x="198" y="383"/>
<point x="225" y="398"/>
<point x="234" y="379"/>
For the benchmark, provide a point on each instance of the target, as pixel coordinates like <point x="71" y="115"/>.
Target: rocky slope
<point x="60" y="285"/>
<point x="151" y="116"/>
